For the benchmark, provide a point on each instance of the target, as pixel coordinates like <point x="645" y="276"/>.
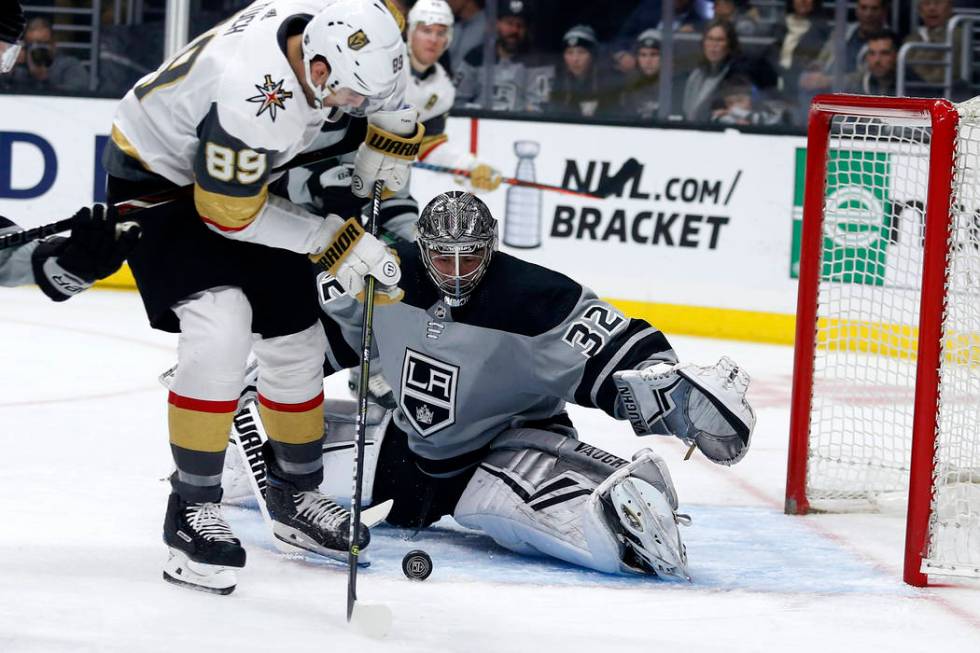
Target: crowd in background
<point x="739" y="62"/>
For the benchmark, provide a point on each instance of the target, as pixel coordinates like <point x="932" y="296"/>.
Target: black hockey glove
<point x="95" y="249"/>
<point x="12" y="21"/>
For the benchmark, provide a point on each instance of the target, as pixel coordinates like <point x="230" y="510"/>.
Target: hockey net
<point x="886" y="392"/>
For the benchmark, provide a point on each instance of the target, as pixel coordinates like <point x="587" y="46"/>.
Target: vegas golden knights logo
<point x="357" y="40"/>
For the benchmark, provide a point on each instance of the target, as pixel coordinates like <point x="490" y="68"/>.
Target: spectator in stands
<point x="641" y="98"/>
<point x="521" y="80"/>
<point x="935" y="15"/>
<point x="799" y="40"/>
<point x="40" y="67"/>
<point x="871" y="19"/>
<point x="740" y="107"/>
<point x="581" y="88"/>
<point x="469" y="30"/>
<point x="742" y="15"/>
<point x="881" y="63"/>
<point x="720" y="60"/>
<point x="689" y="16"/>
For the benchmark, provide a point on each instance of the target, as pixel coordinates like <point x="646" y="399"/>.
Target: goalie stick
<point x="607" y="186"/>
<point x="131" y="206"/>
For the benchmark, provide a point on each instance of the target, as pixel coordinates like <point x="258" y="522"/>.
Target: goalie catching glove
<point x="392" y="143"/>
<point x="703" y="406"/>
<point x="350" y="254"/>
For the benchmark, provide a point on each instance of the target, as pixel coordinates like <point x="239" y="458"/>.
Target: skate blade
<point x="215" y="579"/>
<point x="291" y="542"/>
<point x="371" y="620"/>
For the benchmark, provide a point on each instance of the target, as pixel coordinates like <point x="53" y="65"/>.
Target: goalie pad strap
<point x="393" y="145"/>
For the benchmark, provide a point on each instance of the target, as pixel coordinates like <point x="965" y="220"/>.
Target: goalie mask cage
<point x="886" y="381"/>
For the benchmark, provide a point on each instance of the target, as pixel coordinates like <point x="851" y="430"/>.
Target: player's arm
<point x="628" y="369"/>
<point x="12" y="25"/>
<point x="438" y="151"/>
<point x="63" y="267"/>
<point x="231" y="195"/>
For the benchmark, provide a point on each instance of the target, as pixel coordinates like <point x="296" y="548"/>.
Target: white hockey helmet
<point x="431" y="12"/>
<point x="361" y="41"/>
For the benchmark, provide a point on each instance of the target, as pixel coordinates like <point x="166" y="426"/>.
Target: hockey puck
<point x="417" y="565"/>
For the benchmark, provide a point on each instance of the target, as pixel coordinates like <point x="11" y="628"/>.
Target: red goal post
<point x="886" y="381"/>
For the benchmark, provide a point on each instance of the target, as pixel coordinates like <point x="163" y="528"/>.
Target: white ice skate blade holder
<point x="371" y="619"/>
<point x="181" y="570"/>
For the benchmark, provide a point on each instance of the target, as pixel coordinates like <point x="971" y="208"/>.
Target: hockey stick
<point x="375" y="620"/>
<point x="137" y="204"/>
<point x="607" y="186"/>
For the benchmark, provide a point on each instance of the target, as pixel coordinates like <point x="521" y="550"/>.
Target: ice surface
<point x="84" y="452"/>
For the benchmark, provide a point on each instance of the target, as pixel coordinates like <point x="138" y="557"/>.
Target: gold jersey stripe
<point x="226" y="212"/>
<point x="293" y="428"/>
<point x="125" y="146"/>
<point x="199" y="431"/>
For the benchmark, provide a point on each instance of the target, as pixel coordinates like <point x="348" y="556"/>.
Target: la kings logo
<point x="428" y="392"/>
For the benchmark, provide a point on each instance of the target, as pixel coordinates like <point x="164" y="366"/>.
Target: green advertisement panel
<point x="856" y="216"/>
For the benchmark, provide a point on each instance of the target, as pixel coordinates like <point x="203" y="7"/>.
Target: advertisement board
<point x="696" y="234"/>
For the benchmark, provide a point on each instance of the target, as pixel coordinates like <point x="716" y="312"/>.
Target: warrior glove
<point x="350" y="254"/>
<point x="391" y="145"/>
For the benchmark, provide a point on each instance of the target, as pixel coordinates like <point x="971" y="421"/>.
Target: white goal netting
<point x="864" y="378"/>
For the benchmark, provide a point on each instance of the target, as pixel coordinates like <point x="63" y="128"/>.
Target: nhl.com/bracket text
<point x="676" y="211"/>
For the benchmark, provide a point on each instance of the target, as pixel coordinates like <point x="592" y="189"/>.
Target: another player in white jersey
<point x="431" y="91"/>
<point x="229" y="268"/>
<point x="483" y="352"/>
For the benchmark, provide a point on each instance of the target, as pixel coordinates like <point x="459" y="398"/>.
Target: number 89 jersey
<point x="223" y="113"/>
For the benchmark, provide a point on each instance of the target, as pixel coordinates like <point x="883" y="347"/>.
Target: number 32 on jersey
<point x="588" y="334"/>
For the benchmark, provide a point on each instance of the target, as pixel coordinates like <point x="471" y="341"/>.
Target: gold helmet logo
<point x="357" y="40"/>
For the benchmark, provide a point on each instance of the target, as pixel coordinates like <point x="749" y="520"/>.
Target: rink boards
<point x="699" y="238"/>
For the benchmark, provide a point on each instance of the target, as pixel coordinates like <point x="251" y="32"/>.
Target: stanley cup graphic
<point x="522" y="217"/>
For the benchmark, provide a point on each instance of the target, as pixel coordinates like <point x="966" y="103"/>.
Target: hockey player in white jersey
<point x="229" y="269"/>
<point x="430" y="90"/>
<point x="483" y="353"/>
<point x="63" y="267"/>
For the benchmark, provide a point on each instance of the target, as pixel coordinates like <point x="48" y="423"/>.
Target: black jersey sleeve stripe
<point x="637" y="343"/>
<point x="340" y="355"/>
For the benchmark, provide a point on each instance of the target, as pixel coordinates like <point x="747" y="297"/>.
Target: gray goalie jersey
<point x="528" y="341"/>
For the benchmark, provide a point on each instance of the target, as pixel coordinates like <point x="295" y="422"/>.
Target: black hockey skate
<point x="204" y="553"/>
<point x="310" y="520"/>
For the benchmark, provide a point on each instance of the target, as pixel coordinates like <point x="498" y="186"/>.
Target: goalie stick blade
<point x="371" y="620"/>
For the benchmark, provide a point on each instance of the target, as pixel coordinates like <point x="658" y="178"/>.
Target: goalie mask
<point x="361" y="41"/>
<point x="457" y="236"/>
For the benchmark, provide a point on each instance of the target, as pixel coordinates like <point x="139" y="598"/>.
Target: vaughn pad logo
<point x="428" y="392"/>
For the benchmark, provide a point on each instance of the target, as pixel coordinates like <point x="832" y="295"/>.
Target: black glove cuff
<point x="55" y="282"/>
